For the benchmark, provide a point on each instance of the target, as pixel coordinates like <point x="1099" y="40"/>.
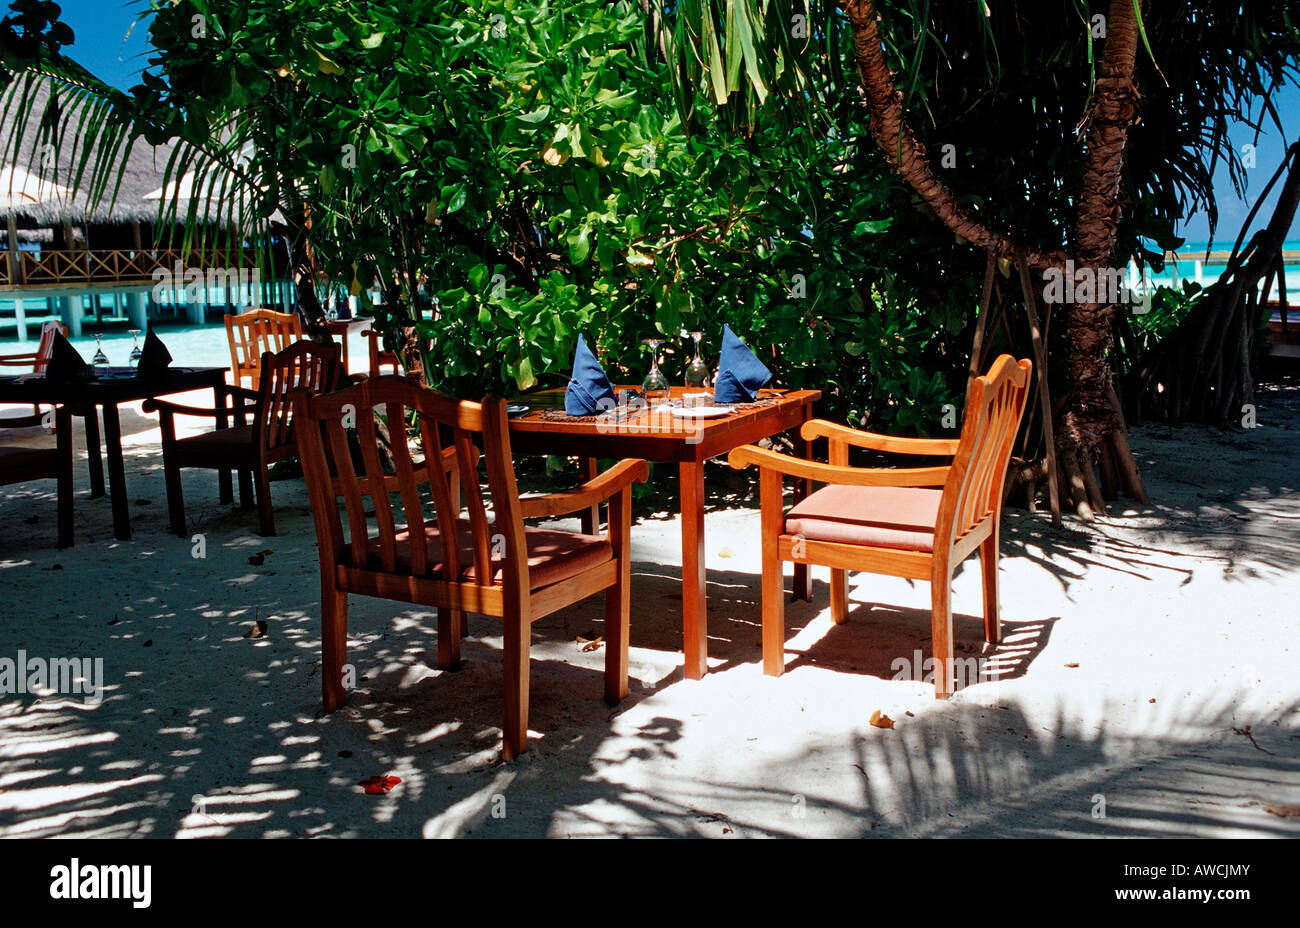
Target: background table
<point x="688" y="444"/>
<point x="111" y="388"/>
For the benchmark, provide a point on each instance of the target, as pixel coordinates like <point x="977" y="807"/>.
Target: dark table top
<point x="113" y="385"/>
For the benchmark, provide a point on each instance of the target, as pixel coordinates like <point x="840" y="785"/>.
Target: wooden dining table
<point x="657" y="435"/>
<point x="109" y="389"/>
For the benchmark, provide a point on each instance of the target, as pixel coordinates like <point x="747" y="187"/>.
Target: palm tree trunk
<point x="1088" y="415"/>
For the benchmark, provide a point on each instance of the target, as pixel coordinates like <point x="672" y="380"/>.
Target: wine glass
<point x="100" y="360"/>
<point x="697" y="372"/>
<point x="655" y="387"/>
<point x="134" y="360"/>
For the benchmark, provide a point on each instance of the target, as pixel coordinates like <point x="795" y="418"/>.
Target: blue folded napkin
<point x="589" y="390"/>
<point x="740" y="373"/>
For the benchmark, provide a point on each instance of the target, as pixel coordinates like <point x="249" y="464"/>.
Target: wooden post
<point x="1044" y="395"/>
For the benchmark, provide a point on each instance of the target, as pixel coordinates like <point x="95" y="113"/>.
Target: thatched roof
<point x="143" y="173"/>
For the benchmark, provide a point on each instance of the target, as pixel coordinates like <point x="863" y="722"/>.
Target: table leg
<point x="590" y="518"/>
<point x="116" y="473"/>
<point x="695" y="634"/>
<point x="802" y="578"/>
<point x="94" y="458"/>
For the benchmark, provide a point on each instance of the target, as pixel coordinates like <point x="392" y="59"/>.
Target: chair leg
<point x="839" y="596"/>
<point x="225" y="491"/>
<point x="64" y="443"/>
<point x="175" y="496"/>
<point x="245" y="489"/>
<point x="941" y="632"/>
<point x="449" y="623"/>
<point x="334" y="645"/>
<point x="618" y="599"/>
<point x="773" y="582"/>
<point x="989" y="572"/>
<point x="265" y="517"/>
<point x="518" y="631"/>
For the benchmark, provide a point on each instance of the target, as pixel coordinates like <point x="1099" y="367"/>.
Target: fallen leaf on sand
<point x="257" y="559"/>
<point x="1284" y="811"/>
<point x="1071" y="665"/>
<point x="258" y="630"/>
<point x="726" y="552"/>
<point x="379" y="784"/>
<point x="880" y="720"/>
<point x="590" y="644"/>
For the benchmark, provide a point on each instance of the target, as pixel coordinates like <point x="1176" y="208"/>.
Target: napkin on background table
<point x="154" y="356"/>
<point x="66" y="363"/>
<point x="740" y="372"/>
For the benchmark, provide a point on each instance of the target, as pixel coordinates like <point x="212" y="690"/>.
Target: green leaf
<point x="872" y="227"/>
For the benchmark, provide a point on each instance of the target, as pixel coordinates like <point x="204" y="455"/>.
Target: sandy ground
<point x="1149" y="679"/>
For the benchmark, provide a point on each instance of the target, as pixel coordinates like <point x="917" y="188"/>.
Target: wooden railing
<point x="63" y="268"/>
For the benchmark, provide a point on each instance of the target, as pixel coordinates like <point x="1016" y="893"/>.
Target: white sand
<point x="1182" y="619"/>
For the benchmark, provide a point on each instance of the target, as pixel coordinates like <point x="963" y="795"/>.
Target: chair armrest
<point x="599" y="488"/>
<point x="154" y="404"/>
<point x="820" y="428"/>
<point x="746" y="455"/>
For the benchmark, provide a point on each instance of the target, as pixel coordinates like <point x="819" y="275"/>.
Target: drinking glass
<point x="697" y="372"/>
<point x="655" y="387"/>
<point x="100" y="360"/>
<point x="134" y="360"/>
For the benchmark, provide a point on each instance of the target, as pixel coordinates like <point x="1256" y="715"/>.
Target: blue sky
<point x="104" y="46"/>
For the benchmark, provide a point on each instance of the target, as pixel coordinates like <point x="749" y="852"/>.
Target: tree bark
<point x="1089" y="327"/>
<point x="1088" y="415"/>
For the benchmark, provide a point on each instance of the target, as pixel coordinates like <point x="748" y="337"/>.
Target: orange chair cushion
<point x="881" y="517"/>
<point x="552" y="556"/>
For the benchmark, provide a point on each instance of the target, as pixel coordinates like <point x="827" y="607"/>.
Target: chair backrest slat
<point x="446" y="508"/>
<point x="994" y="409"/>
<point x="408" y="477"/>
<point x="467" y="458"/>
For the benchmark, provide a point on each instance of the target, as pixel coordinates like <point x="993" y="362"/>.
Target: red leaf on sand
<point x="379" y="784"/>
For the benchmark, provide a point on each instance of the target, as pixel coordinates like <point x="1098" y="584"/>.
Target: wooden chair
<point x="252" y="334"/>
<point x="35" y="361"/>
<point x="379" y="358"/>
<point x="455" y="563"/>
<point x="247" y="447"/>
<point x="918" y="523"/>
<point x="19" y="464"/>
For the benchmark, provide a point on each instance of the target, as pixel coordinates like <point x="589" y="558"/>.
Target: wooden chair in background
<point x="246" y="447"/>
<point x="454" y="563"/>
<point x="35" y="361"/>
<point x="18" y="464"/>
<point x="918" y="523"/>
<point x="252" y="334"/>
<point x="379" y="358"/>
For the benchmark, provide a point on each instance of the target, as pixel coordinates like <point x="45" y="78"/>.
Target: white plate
<point x="702" y="412"/>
